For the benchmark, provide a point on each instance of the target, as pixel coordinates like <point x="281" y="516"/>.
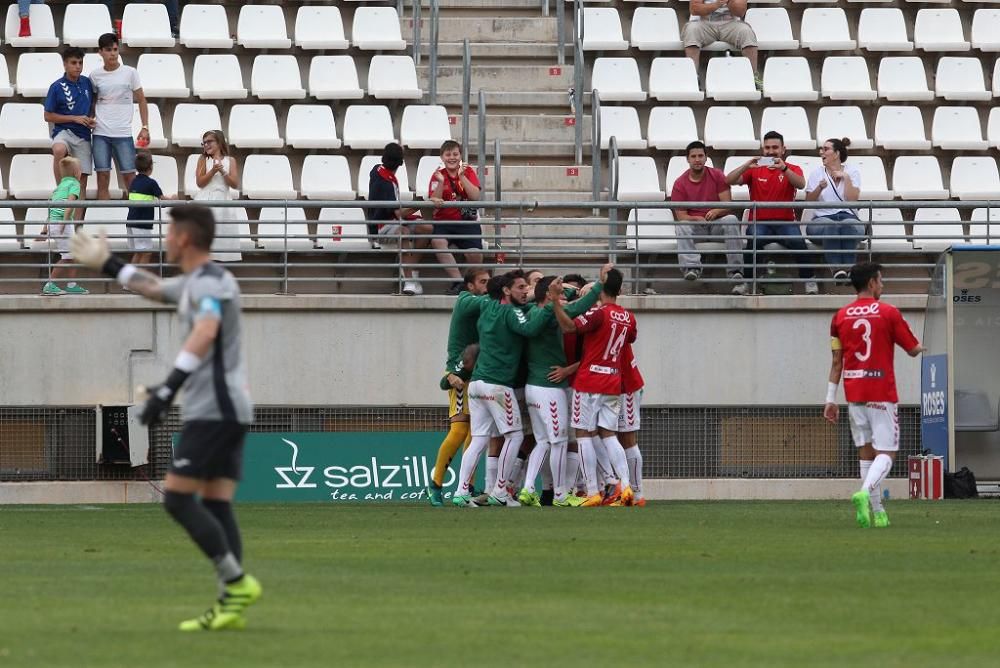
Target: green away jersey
<point x="502" y="329"/>
<point x="546" y="350"/>
<point x="462" y="331"/>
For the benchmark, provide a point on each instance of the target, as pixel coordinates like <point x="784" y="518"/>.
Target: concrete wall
<point x="322" y="350"/>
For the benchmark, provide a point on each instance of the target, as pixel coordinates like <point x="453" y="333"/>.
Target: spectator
<point x="215" y="175"/>
<point x="141" y="238"/>
<point x="720" y="21"/>
<point x="456" y="228"/>
<point x="68" y="106"/>
<point x="836" y="229"/>
<point x="59" y="229"/>
<point x="706" y="184"/>
<point x="115" y="87"/>
<point x="771" y="179"/>
<point x="384" y="187"/>
<point x="24" y="10"/>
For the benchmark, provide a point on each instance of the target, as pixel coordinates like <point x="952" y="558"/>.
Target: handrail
<point x="416" y="32"/>
<point x="482" y="134"/>
<point x="578" y="67"/>
<point x="498" y="195"/>
<point x="466" y="92"/>
<point x="612" y="196"/>
<point x="595" y="143"/>
<point x="545" y="7"/>
<point x="560" y="29"/>
<point x="435" y="10"/>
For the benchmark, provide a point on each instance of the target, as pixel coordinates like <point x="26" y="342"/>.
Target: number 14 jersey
<point x="867" y="331"/>
<point x="606" y="330"/>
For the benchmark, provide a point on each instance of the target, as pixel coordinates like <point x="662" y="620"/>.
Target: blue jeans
<point x="23" y="6"/>
<point x="839" y="252"/>
<point x="123" y="149"/>
<point x="791" y="239"/>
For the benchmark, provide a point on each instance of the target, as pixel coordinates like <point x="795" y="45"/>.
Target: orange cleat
<point x="639" y="503"/>
<point x="592" y="501"/>
<point x="628" y="497"/>
<point x="612" y="494"/>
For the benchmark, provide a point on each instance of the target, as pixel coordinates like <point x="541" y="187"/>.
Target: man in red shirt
<point x="455" y="181"/>
<point x="863" y="335"/>
<point x="771" y="179"/>
<point x="629" y="420"/>
<point x="597" y="386"/>
<point x="706" y="184"/>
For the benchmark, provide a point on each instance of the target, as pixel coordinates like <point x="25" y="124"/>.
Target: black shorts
<point x="472" y="233"/>
<point x="209" y="449"/>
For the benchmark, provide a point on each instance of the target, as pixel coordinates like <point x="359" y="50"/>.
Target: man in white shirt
<point x="116" y="86"/>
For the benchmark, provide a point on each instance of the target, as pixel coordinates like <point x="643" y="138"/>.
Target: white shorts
<point x="493" y="409"/>
<point x="548" y="411"/>
<point x="876" y="422"/>
<point x="140" y="239"/>
<point x="591" y="411"/>
<point x="59" y="235"/>
<point x="526" y="425"/>
<point x="629" y="418"/>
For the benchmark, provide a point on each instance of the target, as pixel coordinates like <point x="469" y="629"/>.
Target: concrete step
<point x="494" y="6"/>
<point x="484" y="29"/>
<point x="545" y="51"/>
<point x="518" y="178"/>
<point x="520" y="135"/>
<point x="502" y="81"/>
<point x="530" y="196"/>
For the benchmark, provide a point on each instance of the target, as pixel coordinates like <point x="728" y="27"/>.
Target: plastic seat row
<point x="216" y="77"/>
<point x="822" y="29"/>
<point x="307" y="126"/>
<point x="204" y="26"/>
<point x="790" y="79"/>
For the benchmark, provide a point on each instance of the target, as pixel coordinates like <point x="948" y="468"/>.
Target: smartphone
<point x="766" y="161"/>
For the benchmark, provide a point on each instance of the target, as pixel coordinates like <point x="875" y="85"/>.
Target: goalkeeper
<point x="208" y="458"/>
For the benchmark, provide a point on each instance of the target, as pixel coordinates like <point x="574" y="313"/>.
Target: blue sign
<point x="934" y="405"/>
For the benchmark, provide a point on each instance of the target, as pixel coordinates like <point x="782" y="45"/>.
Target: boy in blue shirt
<point x="69" y="106"/>
<point x="141" y="236"/>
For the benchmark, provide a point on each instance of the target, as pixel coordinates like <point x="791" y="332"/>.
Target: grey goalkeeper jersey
<point x="218" y="389"/>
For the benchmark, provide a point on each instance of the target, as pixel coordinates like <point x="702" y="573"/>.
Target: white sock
<point x="572" y="471"/>
<point x="616" y="453"/>
<point x="607" y="473"/>
<point x="535" y="461"/>
<point x="469" y="460"/>
<point x="588" y="463"/>
<point x="634" y="458"/>
<point x="491" y="472"/>
<point x="865" y="465"/>
<point x="880" y="468"/>
<point x="558" y="460"/>
<point x="516" y="471"/>
<point x="505" y="464"/>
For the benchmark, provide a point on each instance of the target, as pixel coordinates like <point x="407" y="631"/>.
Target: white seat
<point x="789" y="80"/>
<point x="377" y="29"/>
<point x="730" y="128"/>
<point x="424" y="126"/>
<point x="622" y="123"/>
<point x="114" y="185"/>
<point x="8" y="231"/>
<point x="190" y="182"/>
<point x="218" y="77"/>
<point x="36" y="72"/>
<point x="23" y="125"/>
<point x="993" y="128"/>
<point x="165" y="173"/>
<point x="793" y="125"/>
<point x="638" y="179"/>
<point x="730" y="79"/>
<point x="342" y="229"/>
<point x="364" y="177"/>
<point x="34" y="219"/>
<point x="808" y="163"/>
<point x="957" y="129"/>
<point x="939" y="30"/>
<point x="739" y="193"/>
<point x="846" y="78"/>
<point x="320" y="27"/>
<point x="311" y="126"/>
<point x="960" y="79"/>
<point x="43" y="29"/>
<point x="825" y="29"/>
<point x="996" y="78"/>
<point x="986" y="30"/>
<point x="30" y="176"/>
<point x="112" y="221"/>
<point x="6" y="90"/>
<point x="254" y="126"/>
<point x="838" y="122"/>
<point x="888" y="231"/>
<point x="617" y="80"/>
<point x="393" y="78"/>
<point x="326" y="177"/>
<point x="984" y="227"/>
<point x="334" y="78"/>
<point x="883" y="29"/>
<point x="937" y="229"/>
<point x="84" y="23"/>
<point x="918" y="177"/>
<point x="262" y="27"/>
<point x="205" y="27"/>
<point x="650" y="230"/>
<point x="656" y="29"/>
<point x="367" y="126"/>
<point x="192" y="121"/>
<point x="671" y="128"/>
<point x="276" y="78"/>
<point x="281" y="229"/>
<point x="162" y="75"/>
<point x="975" y="177"/>
<point x="602" y="30"/>
<point x="902" y="79"/>
<point x="268" y="177"/>
<point x="901" y="129"/>
<point x="674" y="79"/>
<point x="873" y="177"/>
<point x="676" y="166"/>
<point x="426" y="167"/>
<point x="157" y="140"/>
<point x="146" y="25"/>
<point x="772" y="27"/>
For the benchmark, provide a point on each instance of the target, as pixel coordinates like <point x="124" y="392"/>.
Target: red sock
<point x="25" y="27"/>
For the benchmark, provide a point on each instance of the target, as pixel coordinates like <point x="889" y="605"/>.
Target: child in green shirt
<point x="59" y="229"/>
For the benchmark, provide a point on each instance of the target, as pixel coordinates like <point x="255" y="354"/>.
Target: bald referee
<point x="217" y="409"/>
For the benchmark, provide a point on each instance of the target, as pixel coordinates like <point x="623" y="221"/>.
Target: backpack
<point x="960" y="485"/>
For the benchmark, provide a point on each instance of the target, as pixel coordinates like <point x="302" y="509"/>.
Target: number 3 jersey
<point x="867" y="331"/>
<point x="606" y="330"/>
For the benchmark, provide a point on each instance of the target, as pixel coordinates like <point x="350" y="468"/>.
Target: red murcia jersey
<point x="867" y="331"/>
<point x="606" y="329"/>
<point x="631" y="378"/>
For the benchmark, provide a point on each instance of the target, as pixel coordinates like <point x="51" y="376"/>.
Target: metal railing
<point x="578" y="67"/>
<point x="466" y="93"/>
<point x="481" y="158"/>
<point x="435" y="27"/>
<point x="595" y="144"/>
<point x="416" y="31"/>
<point x="560" y="30"/>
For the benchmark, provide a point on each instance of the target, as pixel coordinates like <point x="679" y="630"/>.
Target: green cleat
<point x="861" y="505"/>
<point x="435" y="494"/>
<point x="214" y="619"/>
<point x="881" y="520"/>
<point x="571" y="501"/>
<point x="50" y="289"/>
<point x="75" y="289"/>
<point x="527" y="498"/>
<point x="463" y="501"/>
<point x="227" y="612"/>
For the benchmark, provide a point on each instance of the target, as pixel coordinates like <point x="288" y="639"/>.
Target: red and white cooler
<point x="926" y="476"/>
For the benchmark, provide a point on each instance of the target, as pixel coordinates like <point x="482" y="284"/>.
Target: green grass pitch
<point x="678" y="584"/>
